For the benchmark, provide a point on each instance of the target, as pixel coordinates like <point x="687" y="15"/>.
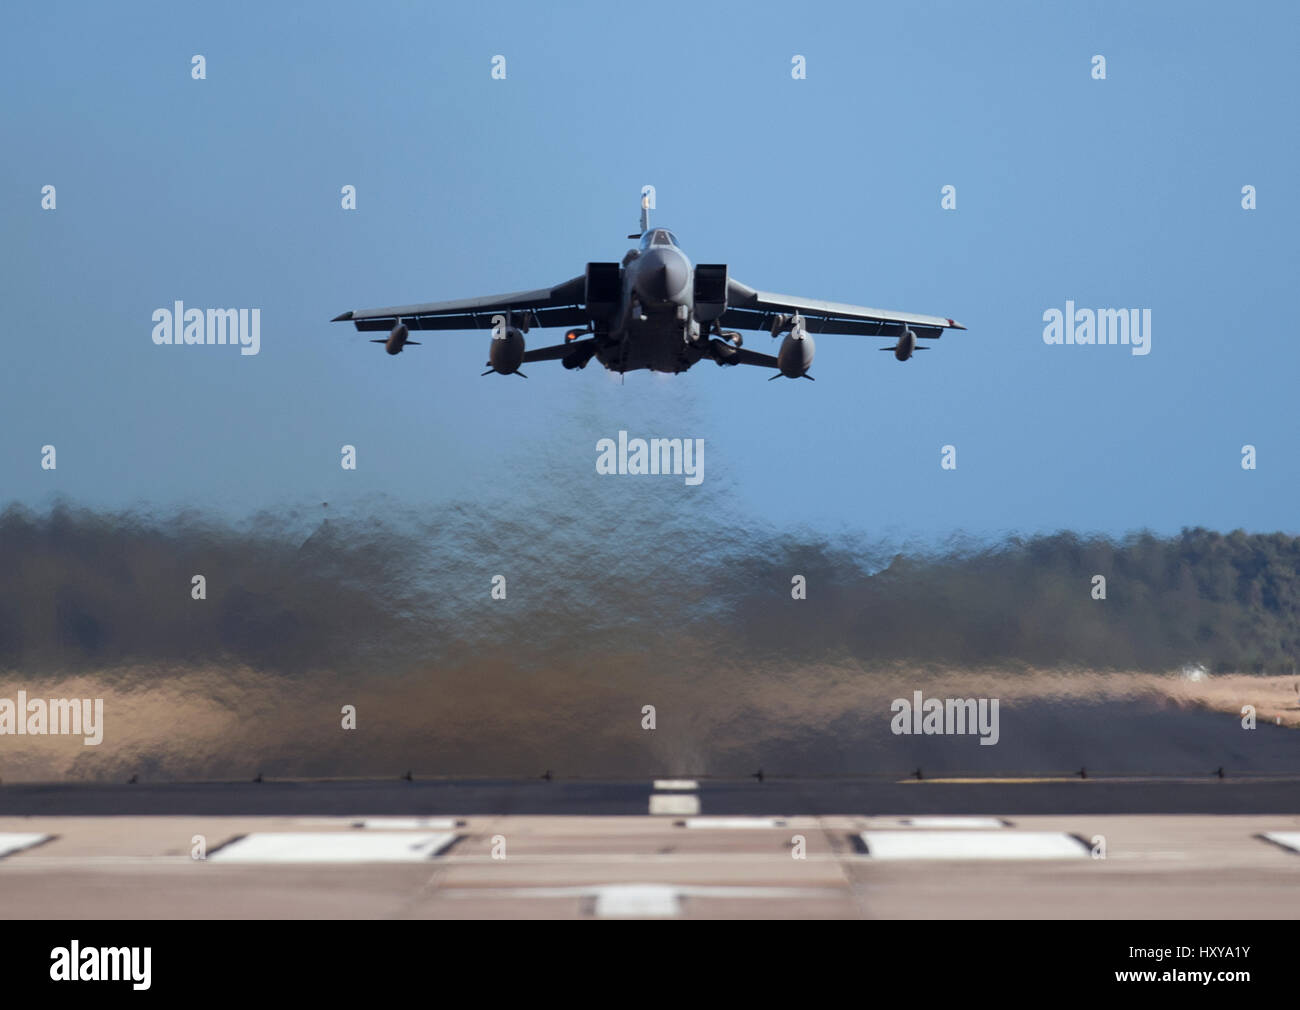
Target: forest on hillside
<point x="81" y="590"/>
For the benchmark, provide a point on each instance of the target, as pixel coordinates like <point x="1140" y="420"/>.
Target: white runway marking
<point x="1286" y="839"/>
<point x="638" y="899"/>
<point x="973" y="845"/>
<point x="11" y="843"/>
<point x="936" y="822"/>
<point x="333" y="847"/>
<point x="734" y="822"/>
<point x="643" y="899"/>
<point x="679" y="804"/>
<point x="666" y="785"/>
<point x="381" y="823"/>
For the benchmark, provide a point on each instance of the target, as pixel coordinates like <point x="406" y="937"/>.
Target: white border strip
<point x="973" y="845"/>
<point x="333" y="847"/>
<point x="16" y="842"/>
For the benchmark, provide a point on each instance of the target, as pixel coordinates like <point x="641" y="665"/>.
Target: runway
<point x="863" y="848"/>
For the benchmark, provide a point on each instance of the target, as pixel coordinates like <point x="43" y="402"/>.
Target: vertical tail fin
<point x="647" y="204"/>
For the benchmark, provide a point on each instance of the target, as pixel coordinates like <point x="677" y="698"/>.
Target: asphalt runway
<point x="1074" y="866"/>
<point x="957" y="841"/>
<point x="831" y="848"/>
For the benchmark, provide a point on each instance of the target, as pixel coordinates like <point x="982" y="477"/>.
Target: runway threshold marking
<point x="978" y="844"/>
<point x="17" y="841"/>
<point x="333" y="847"/>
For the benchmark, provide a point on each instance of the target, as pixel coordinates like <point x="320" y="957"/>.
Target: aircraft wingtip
<point x="345" y="317"/>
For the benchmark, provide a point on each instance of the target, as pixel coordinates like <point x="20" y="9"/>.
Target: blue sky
<point x="225" y="192"/>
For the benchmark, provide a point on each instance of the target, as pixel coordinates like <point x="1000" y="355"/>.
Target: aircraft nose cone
<point x="662" y="277"/>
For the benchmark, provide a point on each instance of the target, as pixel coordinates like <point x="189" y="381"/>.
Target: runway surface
<point x="610" y="867"/>
<point x="878" y="848"/>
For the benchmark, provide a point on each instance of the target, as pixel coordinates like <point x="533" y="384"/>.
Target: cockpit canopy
<point x="658" y="236"/>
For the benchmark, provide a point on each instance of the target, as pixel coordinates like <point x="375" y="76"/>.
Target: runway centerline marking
<point x="733" y="822"/>
<point x="937" y="821"/>
<point x="659" y="900"/>
<point x="675" y="804"/>
<point x="647" y="900"/>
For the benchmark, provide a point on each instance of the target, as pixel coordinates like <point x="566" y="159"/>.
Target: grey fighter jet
<point x="653" y="310"/>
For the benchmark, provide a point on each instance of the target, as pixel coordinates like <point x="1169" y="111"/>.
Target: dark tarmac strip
<point x="774" y="796"/>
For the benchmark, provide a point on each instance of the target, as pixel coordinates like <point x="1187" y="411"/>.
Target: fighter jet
<point x="653" y="310"/>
